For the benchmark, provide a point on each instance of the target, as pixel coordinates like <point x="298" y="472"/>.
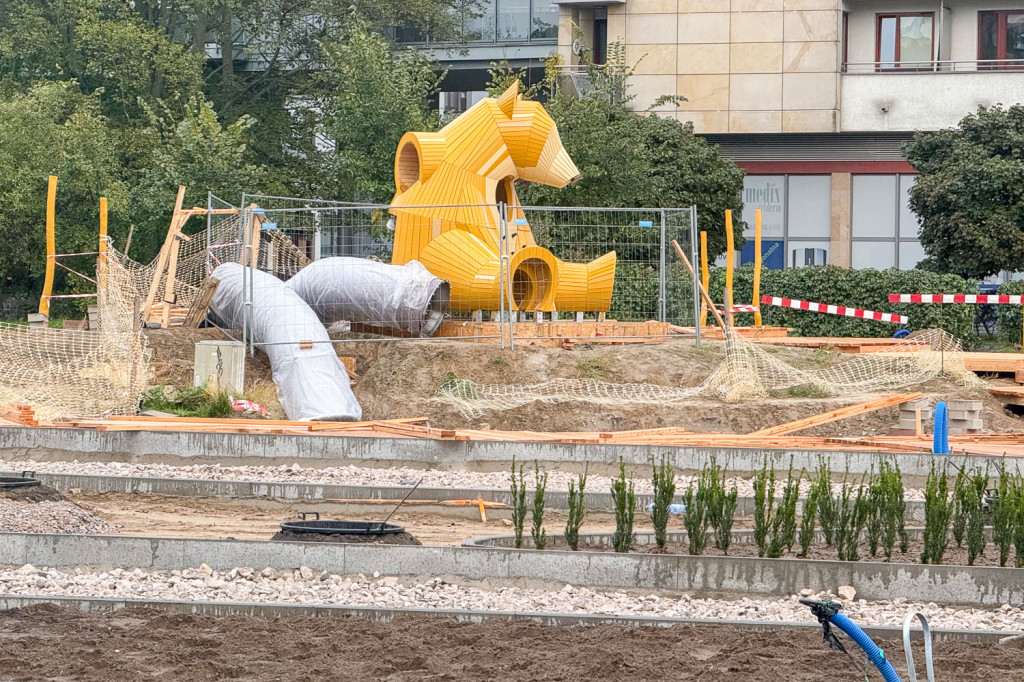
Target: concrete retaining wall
<point x="977" y="586"/>
<point x="386" y="615"/>
<point x="317" y="450"/>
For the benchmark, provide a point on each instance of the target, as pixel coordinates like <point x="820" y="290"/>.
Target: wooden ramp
<point x="994" y="362"/>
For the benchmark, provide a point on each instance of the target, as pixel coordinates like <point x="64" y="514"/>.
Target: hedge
<point x="867" y="288"/>
<point x="1009" y="316"/>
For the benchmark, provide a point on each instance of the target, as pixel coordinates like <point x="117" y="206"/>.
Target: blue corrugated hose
<point x="864" y="642"/>
<point x="940" y="437"/>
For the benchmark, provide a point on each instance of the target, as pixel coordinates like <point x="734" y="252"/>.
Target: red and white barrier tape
<point x="834" y="309"/>
<point x="1012" y="299"/>
<point x="744" y="309"/>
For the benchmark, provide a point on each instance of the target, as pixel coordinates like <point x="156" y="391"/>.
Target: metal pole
<point x="661" y="273"/>
<point x="696" y="283"/>
<point x="508" y="283"/>
<point x="209" y="228"/>
<point x="501" y="273"/>
<point x="246" y="275"/>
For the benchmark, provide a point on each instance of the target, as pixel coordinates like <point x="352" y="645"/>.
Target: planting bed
<point x="41" y="509"/>
<point x="47" y="642"/>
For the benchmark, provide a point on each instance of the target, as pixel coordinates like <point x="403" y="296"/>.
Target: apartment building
<point x="813" y="98"/>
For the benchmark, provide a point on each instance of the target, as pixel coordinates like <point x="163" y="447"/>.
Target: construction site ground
<point x="197" y="517"/>
<point x="400" y="379"/>
<point x="51" y="643"/>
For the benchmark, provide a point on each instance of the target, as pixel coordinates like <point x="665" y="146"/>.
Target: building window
<point x="884" y="229"/>
<point x="545" y="19"/>
<point x="1001" y="37"/>
<point x="905" y="41"/>
<point x="795" y="219"/>
<point x="455" y="102"/>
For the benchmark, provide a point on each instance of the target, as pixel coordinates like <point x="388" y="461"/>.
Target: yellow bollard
<point x="705" y="275"/>
<point x="728" y="264"/>
<point x="51" y="246"/>
<point x="757" y="267"/>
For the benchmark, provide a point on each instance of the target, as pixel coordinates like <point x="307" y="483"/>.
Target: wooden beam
<point x="201" y="304"/>
<point x="836" y="415"/>
<point x="703" y="291"/>
<point x="161" y="263"/>
<point x="101" y="261"/>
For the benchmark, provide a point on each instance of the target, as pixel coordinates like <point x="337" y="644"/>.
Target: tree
<point x="197" y="151"/>
<point x="372" y="95"/>
<point x="635" y="159"/>
<point x="969" y="193"/>
<point x="54" y="130"/>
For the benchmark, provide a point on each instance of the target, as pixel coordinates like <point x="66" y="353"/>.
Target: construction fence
<point x="494" y="272"/>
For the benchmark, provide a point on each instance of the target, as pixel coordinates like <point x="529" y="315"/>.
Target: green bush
<point x="938" y="509"/>
<point x="540" y="538"/>
<point x="1004" y="511"/>
<point x="576" y="510"/>
<point x="867" y="288"/>
<point x="664" y="483"/>
<point x="624" y="498"/>
<point x="1008" y="316"/>
<point x="518" y="494"/>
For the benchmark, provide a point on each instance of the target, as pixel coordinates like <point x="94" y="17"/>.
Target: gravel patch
<point x="50" y="517"/>
<point x="306" y="586"/>
<point x="354" y="475"/>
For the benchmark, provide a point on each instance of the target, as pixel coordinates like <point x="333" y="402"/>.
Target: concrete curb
<point x="318" y="492"/>
<point x="703" y="575"/>
<point x="166" y="447"/>
<point x="386" y="615"/>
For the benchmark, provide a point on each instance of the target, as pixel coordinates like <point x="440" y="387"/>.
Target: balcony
<point x="925" y="95"/>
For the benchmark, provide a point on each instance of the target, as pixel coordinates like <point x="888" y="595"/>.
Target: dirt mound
<point x="132" y="645"/>
<point x="401" y="378"/>
<point x="35" y="493"/>
<point x="402" y="538"/>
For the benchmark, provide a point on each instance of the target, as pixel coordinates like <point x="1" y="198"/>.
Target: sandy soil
<point x="431" y="524"/>
<point x="399" y="379"/>
<point x="49" y="643"/>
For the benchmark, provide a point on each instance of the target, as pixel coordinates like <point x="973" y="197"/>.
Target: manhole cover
<point x="23" y="481"/>
<point x="333" y="527"/>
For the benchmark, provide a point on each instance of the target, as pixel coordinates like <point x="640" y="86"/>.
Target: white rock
<point x="806" y="592"/>
<point x="846" y="593"/>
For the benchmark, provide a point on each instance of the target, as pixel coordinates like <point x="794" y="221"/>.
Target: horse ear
<point x="507" y="99"/>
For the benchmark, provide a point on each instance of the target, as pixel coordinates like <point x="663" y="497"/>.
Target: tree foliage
<point x="969" y="193"/>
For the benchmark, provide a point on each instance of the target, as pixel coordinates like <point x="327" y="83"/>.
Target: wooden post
<point x="51" y="246"/>
<point x="705" y="274"/>
<point x="757" y="267"/>
<point x="165" y="251"/>
<point x="918" y="431"/>
<point x="101" y="260"/>
<point x="703" y="291"/>
<point x="728" y="264"/>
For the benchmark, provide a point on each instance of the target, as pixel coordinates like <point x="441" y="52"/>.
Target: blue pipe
<point x="940" y="437"/>
<point x="864" y="642"/>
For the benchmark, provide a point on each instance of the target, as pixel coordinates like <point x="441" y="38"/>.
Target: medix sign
<point x="769" y="197"/>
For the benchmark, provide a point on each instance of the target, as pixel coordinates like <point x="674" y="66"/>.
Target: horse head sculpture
<point x="449" y="187"/>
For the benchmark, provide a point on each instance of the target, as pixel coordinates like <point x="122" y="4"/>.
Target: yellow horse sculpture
<point x="449" y="183"/>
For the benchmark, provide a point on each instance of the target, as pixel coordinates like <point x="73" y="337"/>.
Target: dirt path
<point x="49" y="643"/>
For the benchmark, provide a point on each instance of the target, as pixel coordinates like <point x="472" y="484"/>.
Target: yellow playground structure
<point x="449" y="187"/>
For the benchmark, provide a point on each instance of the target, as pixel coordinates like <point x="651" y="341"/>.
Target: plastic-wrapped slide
<point x="311" y="382"/>
<point x="404" y="297"/>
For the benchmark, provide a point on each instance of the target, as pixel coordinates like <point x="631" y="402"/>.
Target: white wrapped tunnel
<point x="404" y="297"/>
<point x="311" y="382"/>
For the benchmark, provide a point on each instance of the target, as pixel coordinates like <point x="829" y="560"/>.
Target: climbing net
<point x="748" y="372"/>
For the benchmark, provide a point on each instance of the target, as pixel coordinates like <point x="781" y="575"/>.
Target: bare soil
<point x="50" y="643"/>
<point x="431" y="524"/>
<point x="34" y="493"/>
<point x="400" y="379"/>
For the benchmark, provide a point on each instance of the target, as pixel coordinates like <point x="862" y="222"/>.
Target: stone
<point x="806" y="592"/>
<point x="305" y="572"/>
<point x="846" y="593"/>
<point x="205" y="569"/>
